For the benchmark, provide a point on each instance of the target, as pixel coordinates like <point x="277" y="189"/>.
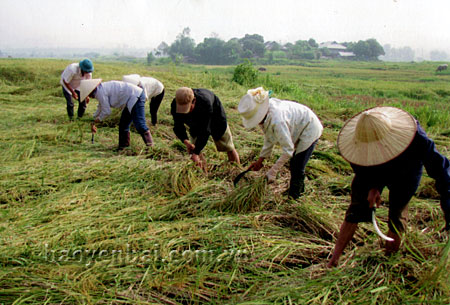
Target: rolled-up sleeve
<point x="103" y="108"/>
<point x="438" y="168"/>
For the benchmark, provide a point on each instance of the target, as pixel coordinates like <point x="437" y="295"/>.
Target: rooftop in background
<point x="332" y="45"/>
<point x="346" y="54"/>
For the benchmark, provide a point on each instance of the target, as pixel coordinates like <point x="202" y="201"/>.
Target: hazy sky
<point x="145" y="23"/>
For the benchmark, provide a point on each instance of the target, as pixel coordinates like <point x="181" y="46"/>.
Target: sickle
<point x="238" y="177"/>
<point x="92" y="139"/>
<point x="374" y="221"/>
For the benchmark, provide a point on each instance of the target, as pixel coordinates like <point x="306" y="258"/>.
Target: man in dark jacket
<point x="387" y="147"/>
<point x="202" y="112"/>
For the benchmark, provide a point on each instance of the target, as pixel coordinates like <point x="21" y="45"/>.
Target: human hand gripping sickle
<point x="374" y="198"/>
<point x="93" y="129"/>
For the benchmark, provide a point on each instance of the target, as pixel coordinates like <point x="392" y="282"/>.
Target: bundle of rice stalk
<point x="185" y="178"/>
<point x="197" y="203"/>
<point x="223" y="170"/>
<point x="246" y="197"/>
<point x="306" y="217"/>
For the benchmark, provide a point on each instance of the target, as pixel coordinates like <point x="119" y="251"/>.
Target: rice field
<point x="83" y="224"/>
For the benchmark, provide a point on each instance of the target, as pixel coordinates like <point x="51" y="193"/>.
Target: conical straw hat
<point x="253" y="107"/>
<point x="87" y="86"/>
<point x="376" y="136"/>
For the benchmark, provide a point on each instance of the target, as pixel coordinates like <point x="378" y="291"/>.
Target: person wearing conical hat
<point x="387" y="147"/>
<point x="201" y="111"/>
<point x="154" y="92"/>
<point x="70" y="82"/>
<point x="293" y="126"/>
<point x="118" y="94"/>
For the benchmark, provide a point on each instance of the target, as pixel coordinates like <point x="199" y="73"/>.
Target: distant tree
<point x="288" y="46"/>
<point x="253" y="45"/>
<point x="214" y="35"/>
<point x="398" y="54"/>
<point x="213" y="51"/>
<point x="366" y="50"/>
<point x="325" y="52"/>
<point x="235" y="50"/>
<point x="162" y="49"/>
<point x="436" y="55"/>
<point x="150" y="58"/>
<point x="375" y="48"/>
<point x="279" y="54"/>
<point x="272" y="46"/>
<point x="361" y="49"/>
<point x="313" y="43"/>
<point x="302" y="50"/>
<point x="256" y="37"/>
<point x="183" y="45"/>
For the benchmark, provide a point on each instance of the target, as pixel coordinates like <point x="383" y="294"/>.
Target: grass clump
<point x="245" y="74"/>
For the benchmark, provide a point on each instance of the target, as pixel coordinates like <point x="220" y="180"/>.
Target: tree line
<point x="215" y="51"/>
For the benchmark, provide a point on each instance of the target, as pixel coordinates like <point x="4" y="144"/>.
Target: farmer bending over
<point x="154" y="91"/>
<point x="70" y="81"/>
<point x="293" y="126"/>
<point x="202" y="112"/>
<point x="387" y="147"/>
<point x="117" y="94"/>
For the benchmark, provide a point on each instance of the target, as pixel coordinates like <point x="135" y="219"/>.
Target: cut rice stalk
<point x="246" y="197"/>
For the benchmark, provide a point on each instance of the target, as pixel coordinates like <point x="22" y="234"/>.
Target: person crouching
<point x="118" y="94"/>
<point x="294" y="126"/>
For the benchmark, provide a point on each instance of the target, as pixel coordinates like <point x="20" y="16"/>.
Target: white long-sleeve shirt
<point x="291" y="125"/>
<point x="115" y="94"/>
<point x="151" y="86"/>
<point x="72" y="76"/>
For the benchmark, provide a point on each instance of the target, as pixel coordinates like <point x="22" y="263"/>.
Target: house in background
<point x="335" y="50"/>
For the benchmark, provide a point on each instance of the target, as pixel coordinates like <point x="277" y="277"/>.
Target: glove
<point x="272" y="172"/>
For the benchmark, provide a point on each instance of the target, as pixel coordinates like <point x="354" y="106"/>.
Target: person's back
<point x="202" y="111"/>
<point x="119" y="93"/>
<point x="152" y="86"/>
<point x="208" y="115"/>
<point x="210" y="105"/>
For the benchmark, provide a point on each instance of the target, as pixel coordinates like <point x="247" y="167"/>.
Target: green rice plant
<point x="429" y="116"/>
<point x="245" y="74"/>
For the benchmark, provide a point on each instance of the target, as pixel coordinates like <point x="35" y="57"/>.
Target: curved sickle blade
<point x="238" y="177"/>
<point x="374" y="221"/>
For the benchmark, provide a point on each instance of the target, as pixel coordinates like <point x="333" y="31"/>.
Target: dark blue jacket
<point x="405" y="170"/>
<point x="207" y="118"/>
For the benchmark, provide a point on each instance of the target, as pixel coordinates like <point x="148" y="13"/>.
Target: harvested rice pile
<point x="246" y="197"/>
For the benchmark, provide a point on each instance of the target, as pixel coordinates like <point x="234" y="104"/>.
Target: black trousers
<point x="154" y="106"/>
<point x="81" y="105"/>
<point x="297" y="166"/>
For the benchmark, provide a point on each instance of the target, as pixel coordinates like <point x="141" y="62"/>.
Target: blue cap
<point x="86" y="65"/>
